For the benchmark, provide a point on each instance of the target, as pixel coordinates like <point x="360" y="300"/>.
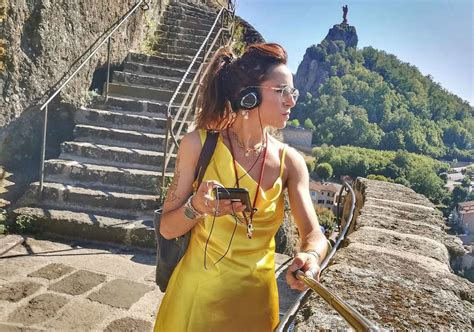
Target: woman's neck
<point x="249" y="133"/>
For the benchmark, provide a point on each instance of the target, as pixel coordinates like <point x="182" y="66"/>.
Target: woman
<point x="226" y="281"/>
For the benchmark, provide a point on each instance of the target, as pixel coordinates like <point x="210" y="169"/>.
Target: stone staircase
<point x="104" y="184"/>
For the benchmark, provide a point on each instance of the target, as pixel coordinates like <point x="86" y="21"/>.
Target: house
<point x="466" y="214"/>
<point x="324" y="194"/>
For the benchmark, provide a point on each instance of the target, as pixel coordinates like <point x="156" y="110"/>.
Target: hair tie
<point x="228" y="59"/>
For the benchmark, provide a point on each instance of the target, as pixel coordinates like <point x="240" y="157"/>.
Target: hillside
<point x="368" y="98"/>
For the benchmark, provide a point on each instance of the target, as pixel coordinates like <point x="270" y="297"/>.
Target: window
<point x="329" y="202"/>
<point x="321" y="201"/>
<point x="313" y="193"/>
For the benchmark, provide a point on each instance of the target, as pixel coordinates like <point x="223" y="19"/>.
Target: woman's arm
<point x="312" y="239"/>
<point x="173" y="221"/>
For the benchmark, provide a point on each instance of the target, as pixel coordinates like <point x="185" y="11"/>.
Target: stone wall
<point x="298" y="137"/>
<point x="395" y="266"/>
<point x="44" y="41"/>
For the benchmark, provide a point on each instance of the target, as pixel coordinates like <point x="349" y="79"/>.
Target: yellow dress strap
<point x="282" y="161"/>
<point x="202" y="134"/>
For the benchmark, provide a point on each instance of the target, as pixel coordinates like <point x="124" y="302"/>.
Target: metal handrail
<point x="194" y="95"/>
<point x="144" y="4"/>
<point x="352" y="316"/>
<point x="289" y="316"/>
<point x="172" y="121"/>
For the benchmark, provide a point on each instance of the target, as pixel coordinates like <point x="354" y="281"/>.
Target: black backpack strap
<point x="206" y="155"/>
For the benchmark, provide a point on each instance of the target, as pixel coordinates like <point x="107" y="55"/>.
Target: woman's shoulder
<point x="289" y="151"/>
<point x="279" y="145"/>
<point x="191" y="142"/>
<point x="293" y="159"/>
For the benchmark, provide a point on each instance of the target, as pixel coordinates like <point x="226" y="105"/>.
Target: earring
<point x="245" y="114"/>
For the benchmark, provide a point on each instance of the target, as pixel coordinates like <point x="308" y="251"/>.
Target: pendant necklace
<point x="247" y="150"/>
<point x="248" y="220"/>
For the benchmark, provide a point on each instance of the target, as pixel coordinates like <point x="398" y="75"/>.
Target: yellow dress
<point x="239" y="293"/>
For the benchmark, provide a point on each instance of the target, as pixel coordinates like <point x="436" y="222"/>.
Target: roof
<point x="324" y="186"/>
<point x="466" y="204"/>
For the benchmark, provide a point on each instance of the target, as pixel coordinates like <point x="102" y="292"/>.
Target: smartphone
<point x="235" y="195"/>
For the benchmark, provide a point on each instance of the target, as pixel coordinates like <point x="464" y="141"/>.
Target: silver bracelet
<point x="315" y="254"/>
<point x="190" y="206"/>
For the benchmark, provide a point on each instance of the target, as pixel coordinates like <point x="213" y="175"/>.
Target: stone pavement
<point x="74" y="285"/>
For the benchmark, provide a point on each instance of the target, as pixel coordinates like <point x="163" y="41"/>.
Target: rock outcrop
<point x="313" y="70"/>
<point x="395" y="266"/>
<point x="250" y="35"/>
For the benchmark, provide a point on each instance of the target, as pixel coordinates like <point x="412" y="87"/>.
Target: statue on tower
<point x="344" y="16"/>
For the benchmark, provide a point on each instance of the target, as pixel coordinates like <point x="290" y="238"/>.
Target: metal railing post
<point x="108" y="69"/>
<point x="165" y="152"/>
<point x="43" y="152"/>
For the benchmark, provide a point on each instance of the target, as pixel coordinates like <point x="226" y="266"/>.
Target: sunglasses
<point x="286" y="91"/>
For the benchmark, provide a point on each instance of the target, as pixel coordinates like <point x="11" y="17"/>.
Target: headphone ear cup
<point x="249" y="98"/>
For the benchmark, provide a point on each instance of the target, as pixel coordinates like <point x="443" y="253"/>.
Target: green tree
<point x="459" y="195"/>
<point x="310" y="164"/>
<point x="379" y="178"/>
<point x="294" y="123"/>
<point x="466" y="181"/>
<point x="326" y="218"/>
<point x="324" y="171"/>
<point x="370" y="98"/>
<point x="308" y="124"/>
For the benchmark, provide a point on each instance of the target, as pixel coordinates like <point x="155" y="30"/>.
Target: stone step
<point x="168" y="60"/>
<point x="178" y="50"/>
<point x="129" y="180"/>
<point x="188" y="31"/>
<point x="95" y="226"/>
<point x="119" y="137"/>
<point x="143" y="92"/>
<point x="120" y="120"/>
<point x="176" y="10"/>
<point x="143" y="69"/>
<point x="61" y="194"/>
<point x="184" y="15"/>
<point x="154" y="81"/>
<point x="178" y="19"/>
<point x="187" y="37"/>
<point x="142" y="107"/>
<point x="181" y="43"/>
<point x="103" y="154"/>
<point x="191" y="8"/>
<point x="186" y="25"/>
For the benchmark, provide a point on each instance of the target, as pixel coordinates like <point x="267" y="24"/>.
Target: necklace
<point x="248" y="220"/>
<point x="247" y="150"/>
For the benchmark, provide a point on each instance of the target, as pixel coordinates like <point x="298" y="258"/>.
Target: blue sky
<point x="434" y="35"/>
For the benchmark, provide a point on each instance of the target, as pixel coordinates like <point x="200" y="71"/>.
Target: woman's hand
<point x="203" y="201"/>
<point x="306" y="263"/>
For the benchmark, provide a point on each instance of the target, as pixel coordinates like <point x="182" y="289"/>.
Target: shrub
<point x="310" y="164"/>
<point x="324" y="171"/>
<point x="326" y="218"/>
